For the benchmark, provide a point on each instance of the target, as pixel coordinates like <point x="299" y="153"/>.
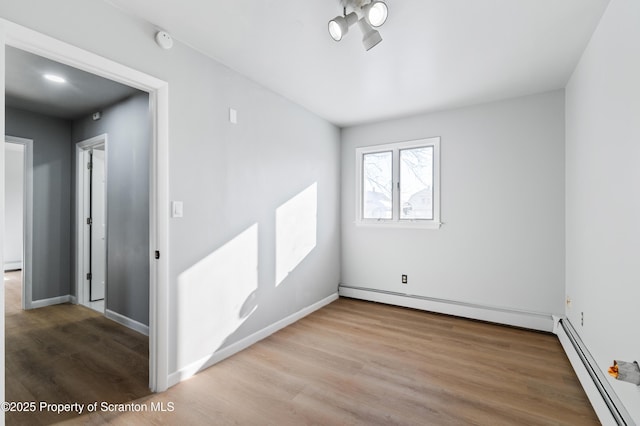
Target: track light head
<point x="370" y="37"/>
<point x="339" y="25"/>
<point x="376" y="13"/>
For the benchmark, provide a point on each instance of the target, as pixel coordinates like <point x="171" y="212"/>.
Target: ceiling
<point x="436" y="54"/>
<point x="82" y="94"/>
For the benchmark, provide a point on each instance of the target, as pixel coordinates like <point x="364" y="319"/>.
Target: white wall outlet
<point x="233" y="116"/>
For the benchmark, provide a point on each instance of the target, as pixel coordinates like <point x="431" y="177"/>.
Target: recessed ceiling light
<point x="55" y="78"/>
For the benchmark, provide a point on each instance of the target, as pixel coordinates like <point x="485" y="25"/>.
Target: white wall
<point x="14" y="196"/>
<point x="603" y="201"/>
<point x="231" y="178"/>
<point x="502" y="204"/>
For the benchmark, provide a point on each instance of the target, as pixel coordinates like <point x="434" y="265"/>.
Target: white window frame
<point x="395" y="221"/>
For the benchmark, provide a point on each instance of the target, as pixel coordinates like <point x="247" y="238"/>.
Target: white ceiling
<point x="436" y="54"/>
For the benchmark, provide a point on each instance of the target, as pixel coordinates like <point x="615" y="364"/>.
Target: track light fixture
<point x="370" y="37"/>
<point x="339" y="25"/>
<point x="369" y="14"/>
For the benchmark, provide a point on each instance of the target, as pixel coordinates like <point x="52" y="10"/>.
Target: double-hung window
<point x="398" y="184"/>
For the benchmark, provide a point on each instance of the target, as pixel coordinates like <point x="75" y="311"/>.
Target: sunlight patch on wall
<point x="217" y="295"/>
<point x="296" y="228"/>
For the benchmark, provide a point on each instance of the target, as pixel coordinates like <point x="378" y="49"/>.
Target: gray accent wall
<point x="127" y="125"/>
<point x="51" y="199"/>
<point x="603" y="206"/>
<point x="502" y="204"/>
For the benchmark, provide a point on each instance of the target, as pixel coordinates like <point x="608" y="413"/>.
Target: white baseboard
<point x="48" y="302"/>
<point x="12" y="266"/>
<point x="73" y="299"/>
<point x="532" y="320"/>
<point x="127" y="322"/>
<point x="191" y="369"/>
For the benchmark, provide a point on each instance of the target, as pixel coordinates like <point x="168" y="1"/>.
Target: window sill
<point x="406" y="224"/>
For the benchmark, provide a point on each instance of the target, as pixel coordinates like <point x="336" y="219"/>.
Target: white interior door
<point x="98" y="226"/>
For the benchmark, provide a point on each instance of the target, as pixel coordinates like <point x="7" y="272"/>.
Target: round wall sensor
<point x="164" y="40"/>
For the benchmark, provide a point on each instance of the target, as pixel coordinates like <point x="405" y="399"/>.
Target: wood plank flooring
<point x="352" y="362"/>
<point x="68" y="353"/>
<point x="361" y="363"/>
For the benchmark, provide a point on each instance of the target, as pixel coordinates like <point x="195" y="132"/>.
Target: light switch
<point x="176" y="209"/>
<point x="233" y="116"/>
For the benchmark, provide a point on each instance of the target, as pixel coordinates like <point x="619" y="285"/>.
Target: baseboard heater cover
<point x="496" y="314"/>
<point x="619" y="415"/>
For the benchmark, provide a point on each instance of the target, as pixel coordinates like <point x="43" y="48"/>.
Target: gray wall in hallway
<point x="51" y="199"/>
<point x="127" y="125"/>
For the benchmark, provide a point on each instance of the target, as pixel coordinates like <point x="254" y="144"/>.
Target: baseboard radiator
<point x="497" y="314"/>
<point x="601" y="394"/>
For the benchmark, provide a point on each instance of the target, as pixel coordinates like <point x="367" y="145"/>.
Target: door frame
<point x="27" y="218"/>
<point x="82" y="259"/>
<point x="23" y="38"/>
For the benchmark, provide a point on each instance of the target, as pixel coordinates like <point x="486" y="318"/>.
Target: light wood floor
<point x="352" y="362"/>
<point x="68" y="353"/>
<point x="361" y="363"/>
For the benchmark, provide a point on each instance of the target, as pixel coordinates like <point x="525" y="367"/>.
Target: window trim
<point x="396" y="221"/>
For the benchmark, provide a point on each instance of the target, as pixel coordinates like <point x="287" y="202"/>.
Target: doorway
<point x="18" y="240"/>
<point x="91" y="222"/>
<point x="23" y="38"/>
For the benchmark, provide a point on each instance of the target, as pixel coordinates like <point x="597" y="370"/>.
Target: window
<point x="398" y="184"/>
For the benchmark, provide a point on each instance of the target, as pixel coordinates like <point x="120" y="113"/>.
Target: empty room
<point x="325" y="212"/>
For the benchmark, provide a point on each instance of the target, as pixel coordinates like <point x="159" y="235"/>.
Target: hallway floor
<point x="68" y="353"/>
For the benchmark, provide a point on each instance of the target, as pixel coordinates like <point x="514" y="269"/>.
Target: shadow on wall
<point x="219" y="293"/>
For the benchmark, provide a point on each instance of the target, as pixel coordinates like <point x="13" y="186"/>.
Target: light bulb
<point x="339" y="25"/>
<point x="335" y="31"/>
<point x="376" y="13"/>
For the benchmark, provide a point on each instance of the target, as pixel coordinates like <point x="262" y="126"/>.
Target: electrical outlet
<point x="404" y="279"/>
<point x="582" y="318"/>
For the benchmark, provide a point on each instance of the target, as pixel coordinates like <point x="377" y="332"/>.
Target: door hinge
<point x="89" y="276"/>
<point x="89" y="221"/>
<point x="89" y="166"/>
<point x="157" y="254"/>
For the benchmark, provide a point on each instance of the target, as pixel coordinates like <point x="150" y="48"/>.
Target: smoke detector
<point x="164" y="40"/>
